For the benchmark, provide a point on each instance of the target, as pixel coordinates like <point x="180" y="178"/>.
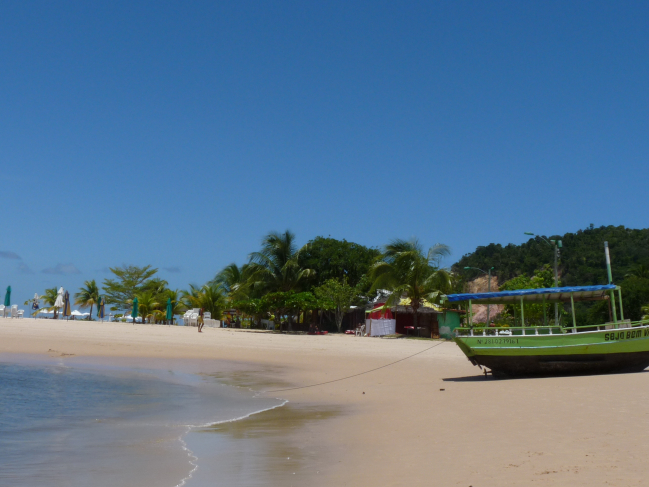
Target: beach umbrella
<point x="170" y="312"/>
<point x="35" y="303"/>
<point x="66" y="304"/>
<point x="8" y="297"/>
<point x="135" y="309"/>
<point x="59" y="299"/>
<point x="100" y="309"/>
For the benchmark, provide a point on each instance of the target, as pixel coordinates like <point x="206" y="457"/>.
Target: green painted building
<point x="448" y="321"/>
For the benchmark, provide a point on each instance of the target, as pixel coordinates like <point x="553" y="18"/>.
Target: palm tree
<point x="87" y="296"/>
<point x="275" y="267"/>
<point x="156" y="286"/>
<point x="408" y="272"/>
<point x="234" y="280"/>
<point x="210" y="297"/>
<point x="49" y="298"/>
<point x="640" y="270"/>
<point x="148" y="304"/>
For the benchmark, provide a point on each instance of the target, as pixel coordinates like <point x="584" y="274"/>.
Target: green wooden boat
<point x="554" y="348"/>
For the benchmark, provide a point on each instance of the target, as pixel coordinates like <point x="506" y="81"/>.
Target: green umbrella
<point x="100" y="309"/>
<point x="170" y="313"/>
<point x="8" y="297"/>
<point x="135" y="309"/>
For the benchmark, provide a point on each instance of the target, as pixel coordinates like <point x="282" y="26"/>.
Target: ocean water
<point x="63" y="425"/>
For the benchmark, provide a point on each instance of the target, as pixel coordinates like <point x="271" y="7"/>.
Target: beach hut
<point x="447" y="322"/>
<point x="427" y="322"/>
<point x="354" y="318"/>
<point x="379" y="321"/>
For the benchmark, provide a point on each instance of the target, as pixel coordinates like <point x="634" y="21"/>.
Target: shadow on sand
<point x="483" y="377"/>
<point x="470" y="378"/>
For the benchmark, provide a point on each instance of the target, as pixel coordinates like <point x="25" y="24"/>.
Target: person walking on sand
<point x="201" y="321"/>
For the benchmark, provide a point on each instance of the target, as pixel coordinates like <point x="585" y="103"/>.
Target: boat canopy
<point x="549" y="295"/>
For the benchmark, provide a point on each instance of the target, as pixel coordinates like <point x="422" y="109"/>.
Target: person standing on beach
<point x="201" y="321"/>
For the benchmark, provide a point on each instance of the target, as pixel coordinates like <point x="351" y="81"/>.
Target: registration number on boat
<point x="497" y="341"/>
<point x="625" y="335"/>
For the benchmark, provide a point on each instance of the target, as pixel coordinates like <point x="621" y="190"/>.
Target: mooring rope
<point x="355" y="375"/>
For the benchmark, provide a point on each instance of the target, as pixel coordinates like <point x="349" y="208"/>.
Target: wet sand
<point x="394" y="426"/>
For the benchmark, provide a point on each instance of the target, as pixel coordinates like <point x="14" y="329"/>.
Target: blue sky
<point x="178" y="133"/>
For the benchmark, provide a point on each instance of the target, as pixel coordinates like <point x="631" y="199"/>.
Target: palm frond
<point x="405" y="270"/>
<point x="437" y="252"/>
<point x="275" y="267"/>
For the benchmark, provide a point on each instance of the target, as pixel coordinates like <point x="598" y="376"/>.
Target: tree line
<point x="286" y="283"/>
<point x="328" y="275"/>
<point x="294" y="285"/>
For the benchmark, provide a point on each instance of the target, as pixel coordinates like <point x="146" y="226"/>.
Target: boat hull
<point x="593" y="352"/>
<point x="565" y="364"/>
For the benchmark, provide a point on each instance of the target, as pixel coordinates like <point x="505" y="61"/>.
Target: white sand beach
<point x="429" y="420"/>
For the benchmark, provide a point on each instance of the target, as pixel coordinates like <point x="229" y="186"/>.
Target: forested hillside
<point x="582" y="261"/>
<point x="582" y="256"/>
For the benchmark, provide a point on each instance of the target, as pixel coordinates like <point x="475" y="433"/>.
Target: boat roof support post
<point x="470" y="315"/>
<point x="522" y="313"/>
<point x="610" y="281"/>
<point x="619" y="293"/>
<point x="614" y="308"/>
<point x="572" y="309"/>
<point x="545" y="313"/>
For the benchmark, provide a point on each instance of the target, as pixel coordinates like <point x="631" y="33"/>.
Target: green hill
<point x="582" y="261"/>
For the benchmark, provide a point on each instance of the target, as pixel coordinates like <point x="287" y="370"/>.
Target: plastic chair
<point x="193" y="319"/>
